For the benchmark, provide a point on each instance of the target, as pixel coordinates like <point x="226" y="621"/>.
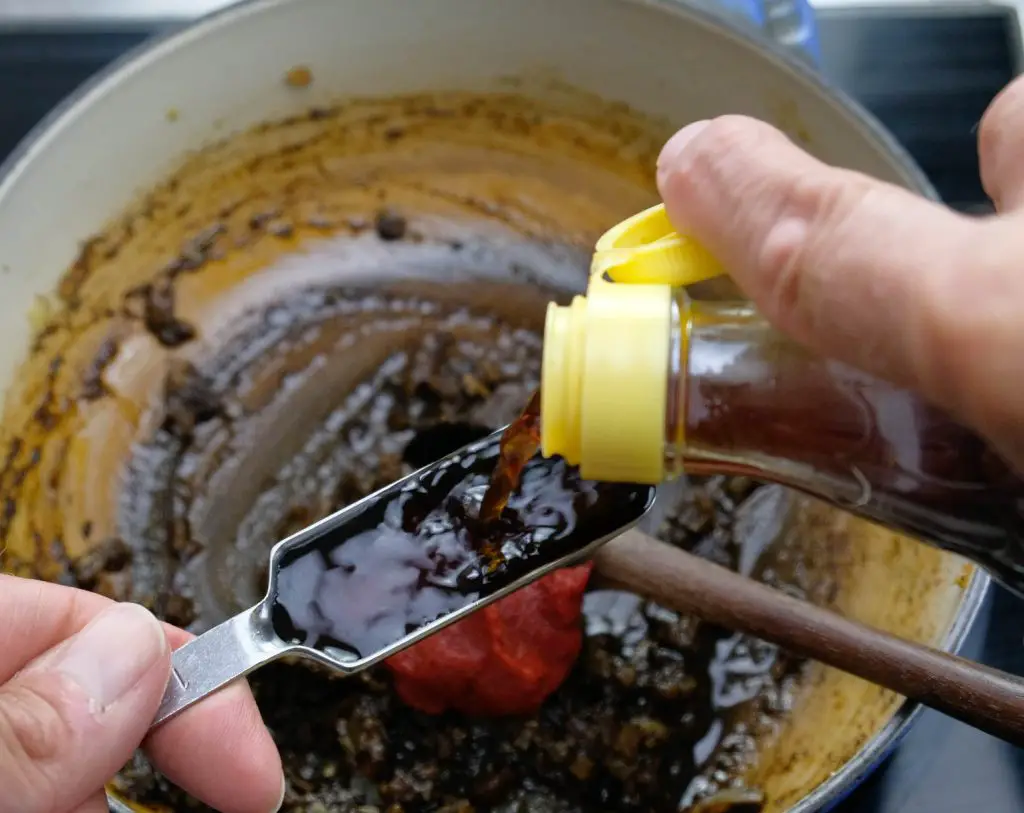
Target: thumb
<point x="72" y="718"/>
<point x="858" y="270"/>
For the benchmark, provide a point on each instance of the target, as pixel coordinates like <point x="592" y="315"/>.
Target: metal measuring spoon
<point x="383" y="573"/>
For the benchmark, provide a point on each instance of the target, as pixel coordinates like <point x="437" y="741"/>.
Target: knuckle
<point x="31" y="726"/>
<point x="33" y="735"/>
<point x="779" y="263"/>
<point x="809" y="221"/>
<point x="824" y="200"/>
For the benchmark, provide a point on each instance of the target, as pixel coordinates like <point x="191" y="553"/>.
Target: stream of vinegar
<point x="519" y="443"/>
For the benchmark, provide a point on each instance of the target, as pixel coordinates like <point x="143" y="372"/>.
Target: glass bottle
<point x="641" y="383"/>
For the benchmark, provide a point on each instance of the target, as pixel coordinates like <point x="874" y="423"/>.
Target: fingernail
<point x="280" y="801"/>
<point x="674" y="146"/>
<point x="110" y="655"/>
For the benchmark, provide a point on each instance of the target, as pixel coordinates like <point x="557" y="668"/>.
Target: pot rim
<point x="831" y="791"/>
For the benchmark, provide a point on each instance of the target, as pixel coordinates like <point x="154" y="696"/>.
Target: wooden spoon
<point x="988" y="699"/>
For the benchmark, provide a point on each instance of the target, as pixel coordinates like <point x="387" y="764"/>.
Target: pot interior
<point x="302" y="314"/>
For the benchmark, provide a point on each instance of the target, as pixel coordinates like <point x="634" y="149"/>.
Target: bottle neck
<point x="743" y="399"/>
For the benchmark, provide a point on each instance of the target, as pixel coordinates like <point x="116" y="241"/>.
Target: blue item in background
<point x="790" y="23"/>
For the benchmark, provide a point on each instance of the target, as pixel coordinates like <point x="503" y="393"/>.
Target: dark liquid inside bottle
<point x="757" y="404"/>
<point x="401" y="558"/>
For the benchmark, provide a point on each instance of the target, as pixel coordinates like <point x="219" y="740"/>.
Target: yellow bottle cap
<point x="605" y="370"/>
<point x="646" y="249"/>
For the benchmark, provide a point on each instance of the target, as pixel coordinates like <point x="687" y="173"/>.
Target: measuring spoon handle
<point x="216" y="658"/>
<point x="986" y="698"/>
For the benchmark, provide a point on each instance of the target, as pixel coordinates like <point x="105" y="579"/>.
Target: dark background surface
<point x="928" y="76"/>
<point x="928" y="79"/>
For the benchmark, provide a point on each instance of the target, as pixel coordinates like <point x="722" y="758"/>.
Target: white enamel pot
<point x="127" y="130"/>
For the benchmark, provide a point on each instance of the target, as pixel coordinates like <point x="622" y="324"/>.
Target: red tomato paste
<point x="503" y="660"/>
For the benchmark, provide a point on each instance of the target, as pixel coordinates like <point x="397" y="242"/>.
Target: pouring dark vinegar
<point x="519" y="443"/>
<point x="420" y="549"/>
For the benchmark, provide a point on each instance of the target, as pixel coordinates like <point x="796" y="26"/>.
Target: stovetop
<point x="927" y="72"/>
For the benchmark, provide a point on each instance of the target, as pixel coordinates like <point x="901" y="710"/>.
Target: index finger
<point x="859" y="270"/>
<point x="218" y="750"/>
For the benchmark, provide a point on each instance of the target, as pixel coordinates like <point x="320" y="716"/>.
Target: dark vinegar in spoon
<point x="375" y="572"/>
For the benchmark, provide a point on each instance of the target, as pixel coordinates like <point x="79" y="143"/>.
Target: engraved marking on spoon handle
<point x="216" y="658"/>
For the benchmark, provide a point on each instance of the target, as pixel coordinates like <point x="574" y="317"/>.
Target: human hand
<point x="869" y="273"/>
<point x="81" y="679"/>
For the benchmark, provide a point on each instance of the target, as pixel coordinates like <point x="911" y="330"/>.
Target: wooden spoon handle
<point x="985" y="698"/>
